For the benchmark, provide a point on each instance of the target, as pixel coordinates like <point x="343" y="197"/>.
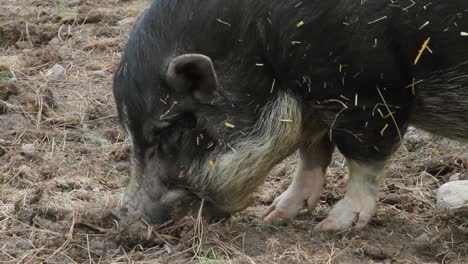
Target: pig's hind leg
<point x="306" y="187"/>
<point x="360" y="201"/>
<point x="367" y="152"/>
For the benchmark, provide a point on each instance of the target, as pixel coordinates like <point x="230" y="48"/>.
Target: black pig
<point x="215" y="93"/>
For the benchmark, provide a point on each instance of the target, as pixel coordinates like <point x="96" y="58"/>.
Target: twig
<point x="391" y="114"/>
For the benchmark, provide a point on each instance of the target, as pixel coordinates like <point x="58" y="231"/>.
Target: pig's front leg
<point x="306" y="187"/>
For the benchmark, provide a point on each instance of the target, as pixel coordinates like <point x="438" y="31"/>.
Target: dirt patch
<point x="18" y="31"/>
<point x="7" y="89"/>
<point x="64" y="163"/>
<point x="105" y="45"/>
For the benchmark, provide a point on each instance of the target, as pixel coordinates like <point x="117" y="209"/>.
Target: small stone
<point x="54" y="41"/>
<point x="122" y="166"/>
<point x="423" y="238"/>
<point x="99" y="74"/>
<point x="168" y="249"/>
<point x="57" y="72"/>
<point x="28" y="149"/>
<point x="126" y="21"/>
<point x="453" y="195"/>
<point x="427" y="178"/>
<point x="339" y="164"/>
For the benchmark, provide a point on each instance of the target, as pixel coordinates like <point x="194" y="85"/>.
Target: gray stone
<point x="57" y="72"/>
<point x="453" y="195"/>
<point x="28" y="149"/>
<point x="99" y="74"/>
<point x="54" y="41"/>
<point x="424" y="237"/>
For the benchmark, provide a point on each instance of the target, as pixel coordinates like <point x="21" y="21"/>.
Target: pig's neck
<point x="235" y="176"/>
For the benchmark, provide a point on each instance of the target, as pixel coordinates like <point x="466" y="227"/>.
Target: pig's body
<point x="215" y="93"/>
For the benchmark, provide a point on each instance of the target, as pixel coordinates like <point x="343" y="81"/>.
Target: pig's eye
<point x="170" y="138"/>
<point x="155" y="128"/>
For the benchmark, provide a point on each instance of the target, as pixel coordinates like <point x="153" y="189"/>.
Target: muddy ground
<point x="64" y="163"/>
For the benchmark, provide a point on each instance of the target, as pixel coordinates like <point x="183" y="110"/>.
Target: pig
<point x="213" y="94"/>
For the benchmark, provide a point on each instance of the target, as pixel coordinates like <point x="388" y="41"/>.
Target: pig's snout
<point x="155" y="208"/>
<point x="172" y="205"/>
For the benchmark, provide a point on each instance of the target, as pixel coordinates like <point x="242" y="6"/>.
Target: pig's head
<point x="202" y="127"/>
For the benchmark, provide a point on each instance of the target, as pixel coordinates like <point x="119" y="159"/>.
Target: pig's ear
<point x="194" y="74"/>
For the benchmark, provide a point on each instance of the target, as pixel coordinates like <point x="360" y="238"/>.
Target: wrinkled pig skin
<point x="213" y="94"/>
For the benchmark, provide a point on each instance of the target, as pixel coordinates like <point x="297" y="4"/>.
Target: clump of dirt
<point x="87" y="15"/>
<point x="38" y="60"/>
<point x="105" y="45"/>
<point x="7" y="89"/>
<point x="16" y="31"/>
<point x="37" y="105"/>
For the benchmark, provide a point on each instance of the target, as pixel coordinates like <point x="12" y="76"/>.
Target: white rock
<point x="423" y="238"/>
<point x="57" y="72"/>
<point x="453" y="195"/>
<point x="28" y="149"/>
<point x="339" y="164"/>
<point x="126" y="21"/>
<point x="99" y="74"/>
<point x="54" y="41"/>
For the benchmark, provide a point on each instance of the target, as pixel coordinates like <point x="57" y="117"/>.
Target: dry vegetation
<point x="63" y="164"/>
